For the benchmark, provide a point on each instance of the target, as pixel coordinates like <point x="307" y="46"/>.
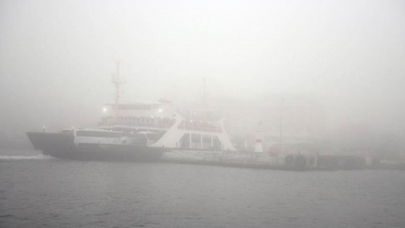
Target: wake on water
<point x="24" y="158"/>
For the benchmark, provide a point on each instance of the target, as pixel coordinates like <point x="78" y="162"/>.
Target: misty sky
<point x="57" y="57"/>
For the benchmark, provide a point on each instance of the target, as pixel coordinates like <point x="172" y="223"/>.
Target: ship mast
<point x="117" y="82"/>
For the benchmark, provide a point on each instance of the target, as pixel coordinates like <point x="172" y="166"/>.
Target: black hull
<point x="62" y="146"/>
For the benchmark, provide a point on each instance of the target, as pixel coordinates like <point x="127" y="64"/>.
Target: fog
<point x="57" y="57"/>
<point x="272" y="113"/>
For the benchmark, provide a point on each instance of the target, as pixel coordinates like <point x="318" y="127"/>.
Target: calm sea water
<point x="36" y="191"/>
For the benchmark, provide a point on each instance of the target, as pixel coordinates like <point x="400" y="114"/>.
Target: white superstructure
<point x="169" y="125"/>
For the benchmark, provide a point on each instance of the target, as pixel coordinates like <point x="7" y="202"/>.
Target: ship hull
<point x="62" y="146"/>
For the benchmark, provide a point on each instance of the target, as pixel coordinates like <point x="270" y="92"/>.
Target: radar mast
<point x="117" y="82"/>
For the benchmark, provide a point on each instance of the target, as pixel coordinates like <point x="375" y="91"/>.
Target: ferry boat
<point x="140" y="131"/>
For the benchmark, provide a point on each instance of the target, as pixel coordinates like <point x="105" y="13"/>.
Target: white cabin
<point x="166" y="125"/>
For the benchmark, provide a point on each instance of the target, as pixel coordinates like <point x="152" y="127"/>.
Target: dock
<point x="297" y="162"/>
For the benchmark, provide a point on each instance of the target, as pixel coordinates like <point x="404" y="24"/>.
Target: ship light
<point x="160" y="110"/>
<point x="104" y="109"/>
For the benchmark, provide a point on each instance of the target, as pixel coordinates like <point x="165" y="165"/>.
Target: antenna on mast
<point x="117" y="82"/>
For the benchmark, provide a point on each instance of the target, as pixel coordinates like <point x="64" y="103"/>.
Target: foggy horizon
<point x="57" y="58"/>
<point x="233" y="113"/>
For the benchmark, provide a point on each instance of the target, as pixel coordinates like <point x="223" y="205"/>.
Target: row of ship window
<point x="199" y="125"/>
<point x="157" y="120"/>
<point x="123" y="119"/>
<point x="166" y="122"/>
<point x="136" y="107"/>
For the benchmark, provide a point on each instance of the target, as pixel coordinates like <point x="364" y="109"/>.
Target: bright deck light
<point x="104" y="109"/>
